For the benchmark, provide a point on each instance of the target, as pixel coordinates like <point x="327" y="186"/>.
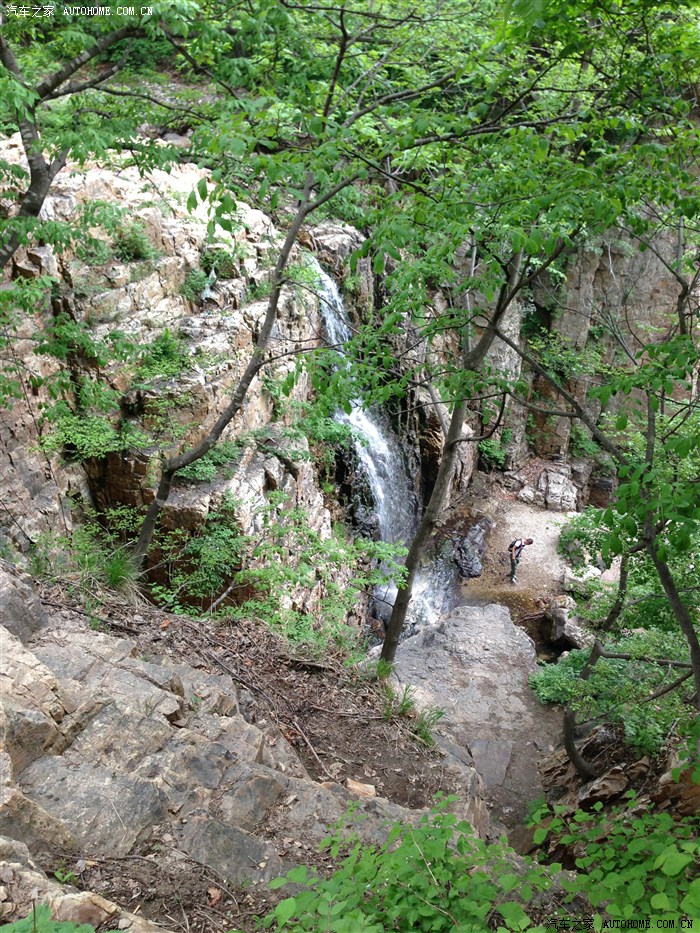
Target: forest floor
<point x="339" y="720"/>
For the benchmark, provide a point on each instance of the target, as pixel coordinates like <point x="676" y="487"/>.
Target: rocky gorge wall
<point x="143" y="299"/>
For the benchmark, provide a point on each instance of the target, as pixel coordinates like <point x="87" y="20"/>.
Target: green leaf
<point x="285" y="910"/>
<point x="675" y="862"/>
<point x="202" y="188"/>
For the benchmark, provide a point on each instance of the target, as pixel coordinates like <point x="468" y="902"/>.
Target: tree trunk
<point x="682" y="616"/>
<point x="425" y="529"/>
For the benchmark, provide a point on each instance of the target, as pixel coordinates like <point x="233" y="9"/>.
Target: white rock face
<point x="556" y="491"/>
<point x="142" y="299"/>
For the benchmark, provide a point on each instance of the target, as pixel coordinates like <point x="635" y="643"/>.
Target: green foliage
<point x="582" y="537"/>
<point x="425" y="723"/>
<point x="402" y="704"/>
<point x="207" y="468"/>
<point x="435" y="876"/>
<point x="166" y="357"/>
<point x="637" y="863"/>
<point x="40" y="921"/>
<point x="621" y="691"/>
<point x="581" y="444"/>
<point x="225" y="264"/>
<point x="132" y="244"/>
<point x="493" y="451"/>
<point x="81" y="436"/>
<point x="194" y="285"/>
<point x="268" y="575"/>
<point x="89" y="559"/>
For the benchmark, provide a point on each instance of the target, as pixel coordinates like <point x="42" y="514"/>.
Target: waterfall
<point x="382" y="460"/>
<point x="381" y="455"/>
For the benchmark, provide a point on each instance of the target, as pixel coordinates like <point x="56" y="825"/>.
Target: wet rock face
<point x="468" y="550"/>
<point x="475" y="665"/>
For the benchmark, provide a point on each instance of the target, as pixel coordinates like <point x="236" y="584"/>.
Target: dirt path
<point x="541" y="570"/>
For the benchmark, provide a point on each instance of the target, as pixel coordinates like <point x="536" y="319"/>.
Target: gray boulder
<point x="561" y="630"/>
<point x="21" y="612"/>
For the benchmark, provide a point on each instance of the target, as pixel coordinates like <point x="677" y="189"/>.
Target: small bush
<point x="223" y="263"/>
<point x="491" y="452"/>
<point x="194" y="285"/>
<point x="207" y="467"/>
<point x="581" y="444"/>
<point x="131" y="244"/>
<point x="167" y="356"/>
<point x="90" y="559"/>
<point x="435" y="876"/>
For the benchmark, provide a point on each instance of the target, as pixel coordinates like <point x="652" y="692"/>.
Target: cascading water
<point x="381" y="457"/>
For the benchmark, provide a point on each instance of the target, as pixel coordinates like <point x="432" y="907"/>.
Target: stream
<point x="478" y="675"/>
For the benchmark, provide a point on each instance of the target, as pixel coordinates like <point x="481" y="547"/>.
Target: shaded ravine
<point x="380" y="457"/>
<point x="460" y="651"/>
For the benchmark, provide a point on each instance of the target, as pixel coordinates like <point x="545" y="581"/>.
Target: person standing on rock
<point x="515" y="549"/>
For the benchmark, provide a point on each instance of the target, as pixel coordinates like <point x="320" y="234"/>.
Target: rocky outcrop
<point x="555" y="490"/>
<point x="142" y="298"/>
<point x="561" y="630"/>
<point x="21" y="611"/>
<point x="24" y="885"/>
<point x="104" y="751"/>
<point x="475" y="665"/>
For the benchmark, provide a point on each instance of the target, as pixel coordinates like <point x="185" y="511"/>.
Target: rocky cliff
<point x="106" y="754"/>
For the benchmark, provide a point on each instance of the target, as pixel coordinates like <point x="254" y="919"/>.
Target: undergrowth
<point x="439" y="876"/>
<point x="40" y="921"/>
<point x="89" y="559"/>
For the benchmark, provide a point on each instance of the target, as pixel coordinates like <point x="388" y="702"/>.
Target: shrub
<point x="194" y="285"/>
<point x="132" y="244"/>
<point x="207" y="467"/>
<point x="620" y="691"/>
<point x="167" y="356"/>
<point x="581" y="444"/>
<point x="635" y="864"/>
<point x="218" y="260"/>
<point x="492" y="453"/>
<point x="90" y="559"/>
<point x="436" y="876"/>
